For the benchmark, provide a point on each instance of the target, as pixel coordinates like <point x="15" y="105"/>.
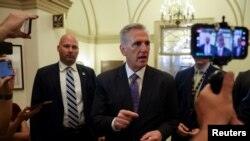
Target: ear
<point x="123" y="50"/>
<point x="58" y="47"/>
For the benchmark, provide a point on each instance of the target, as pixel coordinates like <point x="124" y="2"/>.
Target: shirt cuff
<point x="113" y="125"/>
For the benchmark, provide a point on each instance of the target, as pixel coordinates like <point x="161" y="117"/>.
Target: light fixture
<point x="178" y="11"/>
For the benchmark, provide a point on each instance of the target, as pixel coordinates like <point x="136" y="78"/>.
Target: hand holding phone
<point x="41" y="104"/>
<point x="26" y="28"/>
<point x="28" y="112"/>
<point x="6" y="68"/>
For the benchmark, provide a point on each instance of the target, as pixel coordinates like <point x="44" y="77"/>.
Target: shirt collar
<point x="140" y="72"/>
<point x="220" y="48"/>
<point x="63" y="67"/>
<point x="204" y="69"/>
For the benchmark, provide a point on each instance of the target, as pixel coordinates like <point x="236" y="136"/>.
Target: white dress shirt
<point x="79" y="99"/>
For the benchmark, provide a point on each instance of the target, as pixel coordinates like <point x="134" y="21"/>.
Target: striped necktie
<point x="71" y="100"/>
<point x="134" y="88"/>
<point x="197" y="78"/>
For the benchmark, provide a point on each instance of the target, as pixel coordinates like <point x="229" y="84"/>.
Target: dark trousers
<point x="79" y="134"/>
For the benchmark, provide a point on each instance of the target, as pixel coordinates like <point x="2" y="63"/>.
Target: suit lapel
<point x="123" y="90"/>
<point x="56" y="79"/>
<point x="190" y="76"/>
<point x="146" y="91"/>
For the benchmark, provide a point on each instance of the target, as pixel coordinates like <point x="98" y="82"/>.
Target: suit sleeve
<point x="170" y="125"/>
<point x="35" y="125"/>
<point x="102" y="123"/>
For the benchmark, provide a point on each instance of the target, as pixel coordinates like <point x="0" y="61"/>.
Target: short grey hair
<point x="124" y="39"/>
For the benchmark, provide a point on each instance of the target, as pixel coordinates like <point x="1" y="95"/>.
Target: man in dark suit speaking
<point x="70" y="87"/>
<point x="128" y="109"/>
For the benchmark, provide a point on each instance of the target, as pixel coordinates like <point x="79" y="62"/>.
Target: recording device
<point x="6" y="48"/>
<point x="220" y="43"/>
<point x="26" y="28"/>
<point x="6" y="68"/>
<point x="224" y="43"/>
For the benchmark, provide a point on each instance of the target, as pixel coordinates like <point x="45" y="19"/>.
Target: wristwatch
<point x="6" y="96"/>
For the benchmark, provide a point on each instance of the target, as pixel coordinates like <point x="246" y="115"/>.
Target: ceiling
<point x="105" y="18"/>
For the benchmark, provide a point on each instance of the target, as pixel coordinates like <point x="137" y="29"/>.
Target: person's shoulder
<point x="113" y="72"/>
<point x="48" y="67"/>
<point x="213" y="67"/>
<point x="243" y="77"/>
<point x="87" y="68"/>
<point x="185" y="71"/>
<point x="157" y="72"/>
<point x="227" y="49"/>
<point x="202" y="45"/>
<point x="154" y="70"/>
<point x="244" y="73"/>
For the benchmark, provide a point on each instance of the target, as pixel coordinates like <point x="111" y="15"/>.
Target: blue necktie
<point x="71" y="100"/>
<point x="134" y="88"/>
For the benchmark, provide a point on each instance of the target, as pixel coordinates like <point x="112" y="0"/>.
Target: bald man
<point x="60" y="120"/>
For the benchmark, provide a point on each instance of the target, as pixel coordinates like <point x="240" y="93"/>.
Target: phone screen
<point x="201" y="37"/>
<point x="240" y="43"/>
<point x="26" y="28"/>
<point x="6" y="68"/>
<point x="207" y="42"/>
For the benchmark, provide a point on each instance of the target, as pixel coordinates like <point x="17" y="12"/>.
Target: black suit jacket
<point x="241" y="96"/>
<point x="157" y="108"/>
<point x="47" y="125"/>
<point x="212" y="49"/>
<point x="226" y="52"/>
<point x="242" y="51"/>
<point x="184" y="80"/>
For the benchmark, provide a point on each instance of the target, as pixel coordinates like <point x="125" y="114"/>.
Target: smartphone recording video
<point x="240" y="42"/>
<point x="6" y="68"/>
<point x="26" y="28"/>
<point x="224" y="43"/>
<point x="41" y="104"/>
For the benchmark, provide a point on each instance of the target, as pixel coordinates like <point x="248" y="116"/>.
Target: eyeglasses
<point x="139" y="43"/>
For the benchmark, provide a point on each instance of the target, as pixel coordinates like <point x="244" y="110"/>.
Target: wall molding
<point x="51" y="6"/>
<point x="101" y="39"/>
